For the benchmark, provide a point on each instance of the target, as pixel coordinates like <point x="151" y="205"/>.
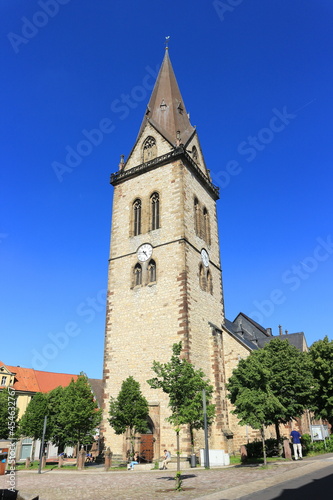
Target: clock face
<point x="204" y="257"/>
<point x="144" y="252"/>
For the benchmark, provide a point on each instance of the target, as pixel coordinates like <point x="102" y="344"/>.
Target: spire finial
<point x="167" y="42"/>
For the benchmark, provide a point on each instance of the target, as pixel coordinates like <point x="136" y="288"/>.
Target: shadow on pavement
<point x="317" y="489"/>
<point x="172" y="478"/>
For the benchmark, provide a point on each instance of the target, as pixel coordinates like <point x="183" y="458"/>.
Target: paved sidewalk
<point x="215" y="484"/>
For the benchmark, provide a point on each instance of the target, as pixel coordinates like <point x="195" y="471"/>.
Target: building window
<point x="137" y="275"/>
<point x="209" y="283"/>
<point x="196" y="217"/>
<point x="3" y="380"/>
<point x="206" y="226"/>
<point x="149" y="149"/>
<point x="195" y="154"/>
<point x="155" y="210"/>
<point x="152" y="271"/>
<point x="202" y="278"/>
<point x="137" y="217"/>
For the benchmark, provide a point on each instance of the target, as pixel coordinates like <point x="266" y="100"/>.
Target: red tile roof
<point x="30" y="380"/>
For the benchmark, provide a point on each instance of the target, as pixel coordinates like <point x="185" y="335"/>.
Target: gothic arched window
<point x="149" y="149"/>
<point x="206" y="226"/>
<point x="137" y="275"/>
<point x="195" y="154"/>
<point x="196" y="217"/>
<point x="155" y="210"/>
<point x="137" y="217"/>
<point x="202" y="278"/>
<point x="151" y="271"/>
<point x="209" y="282"/>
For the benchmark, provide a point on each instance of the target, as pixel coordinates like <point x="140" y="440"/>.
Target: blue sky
<point x="256" y="78"/>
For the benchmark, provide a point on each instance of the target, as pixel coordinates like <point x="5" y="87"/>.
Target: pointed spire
<point x="166" y="109"/>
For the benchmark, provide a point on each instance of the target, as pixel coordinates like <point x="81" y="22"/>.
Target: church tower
<point x="164" y="279"/>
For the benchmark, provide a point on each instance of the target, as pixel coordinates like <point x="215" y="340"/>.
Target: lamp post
<point x="206" y="429"/>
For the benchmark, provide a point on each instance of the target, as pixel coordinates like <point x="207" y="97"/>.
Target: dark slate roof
<point x="254" y="323"/>
<point x="166" y="109"/>
<point x="295" y="339"/>
<point x="96" y="385"/>
<point x="230" y="327"/>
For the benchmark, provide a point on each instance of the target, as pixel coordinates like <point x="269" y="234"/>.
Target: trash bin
<point x="193" y="460"/>
<point x="2" y="468"/>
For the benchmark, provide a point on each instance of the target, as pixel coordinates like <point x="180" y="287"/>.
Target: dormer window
<point x="163" y="105"/>
<point x="3" y="380"/>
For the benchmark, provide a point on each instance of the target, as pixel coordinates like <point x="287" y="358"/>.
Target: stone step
<point x="171" y="466"/>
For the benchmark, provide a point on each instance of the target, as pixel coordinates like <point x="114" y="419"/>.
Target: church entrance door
<point x="147" y="447"/>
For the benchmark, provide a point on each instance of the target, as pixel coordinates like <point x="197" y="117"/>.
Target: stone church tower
<point x="164" y="281"/>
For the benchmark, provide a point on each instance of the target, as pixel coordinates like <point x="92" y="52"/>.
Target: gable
<point x="137" y="155"/>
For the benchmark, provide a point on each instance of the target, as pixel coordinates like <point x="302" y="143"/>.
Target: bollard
<point x="107" y="459"/>
<point x="243" y="452"/>
<point x="286" y="448"/>
<point x="27" y="463"/>
<point x="81" y="459"/>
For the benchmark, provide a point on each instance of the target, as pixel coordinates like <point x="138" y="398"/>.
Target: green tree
<point x="184" y="384"/>
<point x="129" y="411"/>
<point x="271" y="386"/>
<point x="8" y="414"/>
<point x="32" y="421"/>
<point x="291" y="380"/>
<point x="321" y="357"/>
<point x="57" y="433"/>
<point x="79" y="414"/>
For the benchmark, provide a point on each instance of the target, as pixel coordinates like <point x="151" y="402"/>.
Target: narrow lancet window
<point x="202" y="278"/>
<point x="206" y="226"/>
<point x="196" y="217"/>
<point x="155" y="210"/>
<point x="152" y="271"/>
<point x="209" y="283"/>
<point x="137" y="217"/>
<point x="137" y="275"/>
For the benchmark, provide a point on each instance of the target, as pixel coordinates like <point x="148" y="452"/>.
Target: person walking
<point x="296" y="440"/>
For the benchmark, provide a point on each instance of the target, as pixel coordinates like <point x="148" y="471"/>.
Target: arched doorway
<point x="147" y="443"/>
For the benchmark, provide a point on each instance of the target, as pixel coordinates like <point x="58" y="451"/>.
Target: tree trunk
<point x="178" y="479"/>
<point x="132" y="441"/>
<point x="278" y="437"/>
<point x="262" y="430"/>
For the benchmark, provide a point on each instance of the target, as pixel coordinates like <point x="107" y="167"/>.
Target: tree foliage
<point x="32" y="422"/>
<point x="129" y="411"/>
<point x="72" y="415"/>
<point x="8" y="415"/>
<point x="271" y="386"/>
<point x="321" y="357"/>
<point x="79" y="414"/>
<point x="184" y="384"/>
